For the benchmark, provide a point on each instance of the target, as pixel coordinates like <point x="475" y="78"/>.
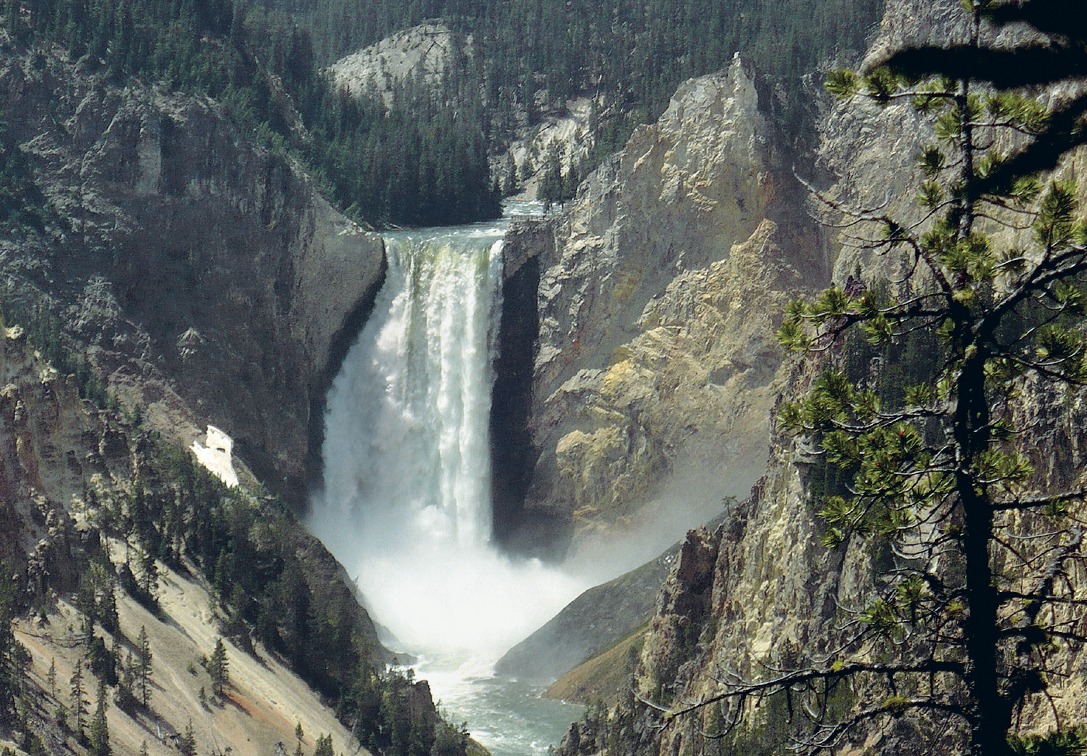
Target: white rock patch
<point x="215" y="455"/>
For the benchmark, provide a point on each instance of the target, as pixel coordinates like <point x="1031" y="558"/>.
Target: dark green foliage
<point x="972" y="613"/>
<point x="1068" y="742"/>
<point x="976" y="587"/>
<point x="95" y="598"/>
<point x="450" y="740"/>
<point x="101" y="661"/>
<point x="13" y="656"/>
<point x="633" y="54"/>
<point x="411" y="164"/>
<point x="385" y="715"/>
<point x="77" y="694"/>
<point x="21" y="202"/>
<point x="45" y="331"/>
<point x="886" y="369"/>
<point x="218" y="668"/>
<point x="557" y="184"/>
<point x="142" y="682"/>
<point x="424" y="160"/>
<point x="249" y="550"/>
<point x="99" y="734"/>
<point x="187" y="745"/>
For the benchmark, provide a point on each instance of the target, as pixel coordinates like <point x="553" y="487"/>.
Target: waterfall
<point x="406" y="506"/>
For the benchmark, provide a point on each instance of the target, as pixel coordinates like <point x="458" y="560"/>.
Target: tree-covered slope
<point x="424" y="159"/>
<point x="386" y="165"/>
<point x="125" y="562"/>
<point x="537" y="53"/>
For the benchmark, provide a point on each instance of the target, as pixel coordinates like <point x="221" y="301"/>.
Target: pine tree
<point x="149" y="577"/>
<point x="99" y="735"/>
<point x="11" y="654"/>
<point x="218" y="668"/>
<point x="510" y="185"/>
<point x="965" y="624"/>
<point x="187" y="745"/>
<point x="143" y="677"/>
<point x="550" y="187"/>
<point x="79" y="704"/>
<point x="129" y="678"/>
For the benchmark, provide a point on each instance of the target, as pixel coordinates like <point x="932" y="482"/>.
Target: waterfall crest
<point x="406" y="506"/>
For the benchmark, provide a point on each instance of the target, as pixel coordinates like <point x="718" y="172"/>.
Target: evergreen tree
<point x="129" y="684"/>
<point x="510" y="185"/>
<point x="99" y="735"/>
<point x="79" y="704"/>
<point x="62" y="717"/>
<point x="12" y="22"/>
<point x="965" y="624"/>
<point x="149" y="577"/>
<point x="143" y="676"/>
<point x="187" y="745"/>
<point x="218" y="668"/>
<point x="11" y="655"/>
<point x="550" y="187"/>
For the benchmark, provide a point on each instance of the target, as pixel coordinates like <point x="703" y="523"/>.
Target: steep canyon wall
<point x="205" y="276"/>
<point x="656" y="296"/>
<point x="761" y="593"/>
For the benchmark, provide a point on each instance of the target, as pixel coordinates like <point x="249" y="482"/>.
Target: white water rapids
<point x="406" y="506"/>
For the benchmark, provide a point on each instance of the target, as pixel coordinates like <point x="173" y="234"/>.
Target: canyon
<point x="637" y="378"/>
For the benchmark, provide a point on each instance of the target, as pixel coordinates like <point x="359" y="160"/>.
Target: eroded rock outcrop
<point x="657" y="296"/>
<point x="205" y="276"/>
<point x="420" y="55"/>
<point x="777" y="599"/>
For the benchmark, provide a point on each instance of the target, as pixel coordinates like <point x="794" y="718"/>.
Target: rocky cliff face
<point x="657" y="294"/>
<point x="206" y="277"/>
<point x="420" y="54"/>
<point x="47" y="446"/>
<point x="760" y="592"/>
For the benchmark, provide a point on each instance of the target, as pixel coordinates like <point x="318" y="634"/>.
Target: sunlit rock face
<point x="421" y="54"/>
<point x="760" y="593"/>
<point x="658" y="294"/>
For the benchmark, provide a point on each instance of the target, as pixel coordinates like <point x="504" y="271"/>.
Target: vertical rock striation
<point x="760" y="593"/>
<point x="657" y="301"/>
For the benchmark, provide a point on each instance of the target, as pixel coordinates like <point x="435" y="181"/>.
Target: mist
<point x="406" y="504"/>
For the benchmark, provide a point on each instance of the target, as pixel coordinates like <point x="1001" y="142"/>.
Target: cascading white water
<point x="406" y="505"/>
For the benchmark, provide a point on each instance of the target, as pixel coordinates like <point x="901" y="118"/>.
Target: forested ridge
<point x="269" y="582"/>
<point x="436" y="157"/>
<point x="531" y="55"/>
<point x="384" y="166"/>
